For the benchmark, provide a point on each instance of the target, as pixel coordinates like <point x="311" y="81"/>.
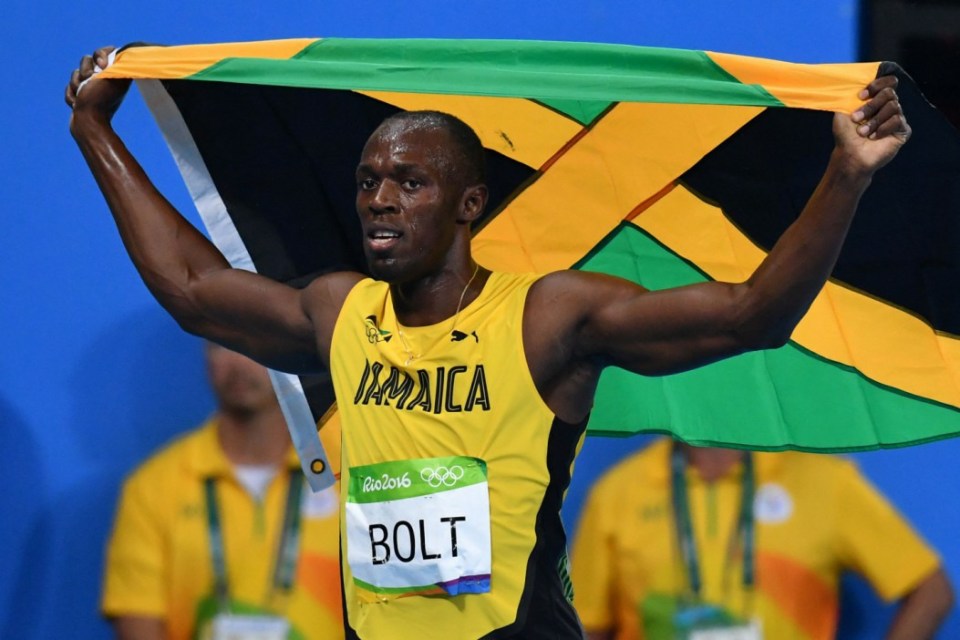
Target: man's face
<point x="409" y="197"/>
<point x="239" y="383"/>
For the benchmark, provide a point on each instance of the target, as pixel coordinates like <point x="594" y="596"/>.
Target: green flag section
<point x="555" y="73"/>
<point x="661" y="166"/>
<point x="775" y="399"/>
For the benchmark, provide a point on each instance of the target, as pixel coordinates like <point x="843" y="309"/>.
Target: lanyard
<point x="287" y="549"/>
<point x="681" y="511"/>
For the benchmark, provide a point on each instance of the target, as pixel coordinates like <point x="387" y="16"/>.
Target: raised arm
<point x="277" y="325"/>
<point x="577" y="323"/>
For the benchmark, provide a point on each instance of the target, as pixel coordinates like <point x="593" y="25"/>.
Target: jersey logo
<point x="437" y="390"/>
<point x="457" y="336"/>
<point x="374" y="333"/>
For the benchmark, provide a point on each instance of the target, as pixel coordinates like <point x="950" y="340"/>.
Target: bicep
<point x="660" y="332"/>
<point x="254" y="315"/>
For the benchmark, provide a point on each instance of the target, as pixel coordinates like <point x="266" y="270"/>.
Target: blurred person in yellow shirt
<point x="689" y="543"/>
<point x="217" y="535"/>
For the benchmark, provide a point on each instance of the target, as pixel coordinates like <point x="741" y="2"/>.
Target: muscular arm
<point x="139" y="628"/>
<point x="922" y="610"/>
<point x="693" y="325"/>
<point x="275" y="324"/>
<point x="578" y="322"/>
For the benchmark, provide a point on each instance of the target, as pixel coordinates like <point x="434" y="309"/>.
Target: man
<point x="489" y="422"/>
<point x="215" y="534"/>
<point x="665" y="545"/>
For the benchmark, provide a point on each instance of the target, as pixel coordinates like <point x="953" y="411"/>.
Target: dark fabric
<point x="902" y="246"/>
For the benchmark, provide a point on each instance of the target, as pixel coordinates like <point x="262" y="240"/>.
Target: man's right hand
<point x="99" y="99"/>
<point x="871" y="136"/>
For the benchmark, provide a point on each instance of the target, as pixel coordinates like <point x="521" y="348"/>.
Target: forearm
<point x="922" y="611"/>
<point x="667" y="331"/>
<point x="168" y="252"/>
<point x="785" y="284"/>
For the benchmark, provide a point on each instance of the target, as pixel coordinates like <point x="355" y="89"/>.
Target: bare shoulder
<point x="561" y="307"/>
<point x="558" y="320"/>
<point x="334" y="287"/>
<point x="322" y="300"/>
<point x="573" y="296"/>
<point x="567" y="310"/>
<point x="327" y="293"/>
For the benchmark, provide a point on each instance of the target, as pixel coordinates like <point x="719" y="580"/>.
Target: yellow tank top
<point x="415" y="394"/>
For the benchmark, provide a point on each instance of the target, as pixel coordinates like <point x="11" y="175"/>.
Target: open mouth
<point x="381" y="239"/>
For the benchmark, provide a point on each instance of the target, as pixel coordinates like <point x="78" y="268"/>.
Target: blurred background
<point x="93" y="374"/>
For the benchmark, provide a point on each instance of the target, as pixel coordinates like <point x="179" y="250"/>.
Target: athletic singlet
<point x="431" y="401"/>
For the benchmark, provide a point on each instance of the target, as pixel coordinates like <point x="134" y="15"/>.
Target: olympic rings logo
<point x="446" y="476"/>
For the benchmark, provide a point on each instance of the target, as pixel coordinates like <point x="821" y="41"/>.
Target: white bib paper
<point x="419" y="527"/>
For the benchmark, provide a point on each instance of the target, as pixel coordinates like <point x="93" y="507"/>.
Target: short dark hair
<point x="465" y="139"/>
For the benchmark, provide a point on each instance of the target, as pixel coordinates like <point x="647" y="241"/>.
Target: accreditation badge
<point x="710" y="622"/>
<point x="750" y="631"/>
<point x="231" y="626"/>
<point x="419" y="527"/>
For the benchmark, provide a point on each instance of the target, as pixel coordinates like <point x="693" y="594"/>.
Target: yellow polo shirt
<point x="158" y="558"/>
<point x="816" y="516"/>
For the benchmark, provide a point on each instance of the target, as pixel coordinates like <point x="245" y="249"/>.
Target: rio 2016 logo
<point x="446" y="476"/>
<point x="386" y="482"/>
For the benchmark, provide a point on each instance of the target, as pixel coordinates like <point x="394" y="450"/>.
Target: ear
<point x="473" y="203"/>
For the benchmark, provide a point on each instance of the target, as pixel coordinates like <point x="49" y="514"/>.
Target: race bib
<point x="419" y="527"/>
<point x="248" y="627"/>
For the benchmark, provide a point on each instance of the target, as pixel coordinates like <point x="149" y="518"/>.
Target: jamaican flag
<point x="662" y="166"/>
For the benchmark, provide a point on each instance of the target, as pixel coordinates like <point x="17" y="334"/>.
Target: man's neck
<point x="255" y="438"/>
<point x="438" y="298"/>
<point x="712" y="463"/>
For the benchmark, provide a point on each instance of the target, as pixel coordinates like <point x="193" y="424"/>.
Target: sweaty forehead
<point x="413" y="142"/>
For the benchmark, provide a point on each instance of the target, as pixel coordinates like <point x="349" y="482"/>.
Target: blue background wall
<point x="93" y="375"/>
